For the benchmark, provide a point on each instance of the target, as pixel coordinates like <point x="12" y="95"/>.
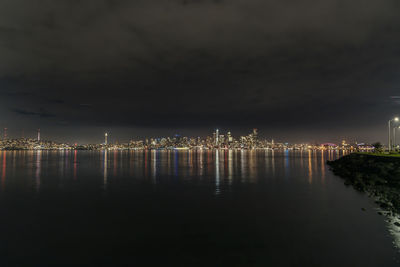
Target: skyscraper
<point x="254" y="138"/>
<point x="106" y="138"/>
<point x="229" y="135"/>
<point x="255" y="133"/>
<point x="38" y="135"/>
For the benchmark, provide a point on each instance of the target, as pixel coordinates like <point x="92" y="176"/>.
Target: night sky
<point x="308" y="70"/>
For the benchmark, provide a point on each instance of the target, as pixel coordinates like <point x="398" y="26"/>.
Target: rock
<point x="377" y="175"/>
<point x="383" y="205"/>
<point x="397" y="224"/>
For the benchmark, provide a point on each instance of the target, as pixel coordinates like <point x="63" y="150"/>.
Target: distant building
<point x="217" y="137"/>
<point x="229" y="137"/>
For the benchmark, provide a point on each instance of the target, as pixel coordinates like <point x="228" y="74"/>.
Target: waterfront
<point x="185" y="208"/>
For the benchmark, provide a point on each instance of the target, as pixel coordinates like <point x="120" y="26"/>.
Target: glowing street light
<point x="396" y="119"/>
<point x="394" y="136"/>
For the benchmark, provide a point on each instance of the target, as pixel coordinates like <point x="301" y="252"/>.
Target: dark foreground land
<point x="376" y="174"/>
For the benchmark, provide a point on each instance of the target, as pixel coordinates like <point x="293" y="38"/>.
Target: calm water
<point x="180" y="208"/>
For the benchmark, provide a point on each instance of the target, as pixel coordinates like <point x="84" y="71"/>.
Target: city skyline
<point x="217" y="139"/>
<point x="123" y="137"/>
<point x="200" y="133"/>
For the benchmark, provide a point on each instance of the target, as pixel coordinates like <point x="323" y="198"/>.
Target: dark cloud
<point x="41" y="113"/>
<point x="159" y="64"/>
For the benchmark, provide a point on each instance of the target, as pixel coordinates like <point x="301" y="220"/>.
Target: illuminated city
<point x="216" y="141"/>
<point x="200" y="133"/>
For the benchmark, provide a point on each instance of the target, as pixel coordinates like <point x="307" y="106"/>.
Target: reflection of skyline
<point x="3" y="170"/>
<point x="38" y="169"/>
<point x="322" y="167"/>
<point x="310" y="170"/>
<point x="105" y="168"/>
<point x="115" y="163"/>
<point x="273" y="161"/>
<point x="222" y="168"/>
<point x="315" y="163"/>
<point x="75" y="163"/>
<point x="154" y="165"/>
<point x="242" y="166"/>
<point x="230" y="166"/>
<point x="252" y="165"/>
<point x="217" y="182"/>
<point x="287" y="168"/>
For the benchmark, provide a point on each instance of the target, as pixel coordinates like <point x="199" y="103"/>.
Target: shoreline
<point x="376" y="175"/>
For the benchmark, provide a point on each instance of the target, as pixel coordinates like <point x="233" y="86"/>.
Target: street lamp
<point x="394" y="136"/>
<point x="396" y="119"/>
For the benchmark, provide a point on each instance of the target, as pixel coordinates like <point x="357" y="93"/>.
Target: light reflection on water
<point x="310" y="167"/>
<point x="322" y="166"/>
<point x="217" y="172"/>
<point x="38" y="168"/>
<point x="225" y="167"/>
<point x="105" y="168"/>
<point x="4" y="169"/>
<point x="256" y="199"/>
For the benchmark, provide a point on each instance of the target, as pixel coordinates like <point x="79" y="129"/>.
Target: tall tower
<point x="217" y="137"/>
<point x="38" y="135"/>
<point x="229" y="135"/>
<point x="5" y="134"/>
<point x="106" y="138"/>
<point x="255" y="133"/>
<point x="254" y="138"/>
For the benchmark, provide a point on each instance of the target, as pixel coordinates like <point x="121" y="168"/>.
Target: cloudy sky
<point x="298" y="70"/>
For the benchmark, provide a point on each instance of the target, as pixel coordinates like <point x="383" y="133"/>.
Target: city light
<point x="218" y="140"/>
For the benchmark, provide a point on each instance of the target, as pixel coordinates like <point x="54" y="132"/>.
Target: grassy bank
<point x="377" y="174"/>
<point x="390" y="155"/>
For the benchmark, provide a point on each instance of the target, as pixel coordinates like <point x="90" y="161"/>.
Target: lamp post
<point x="396" y="119"/>
<point x="394" y="136"/>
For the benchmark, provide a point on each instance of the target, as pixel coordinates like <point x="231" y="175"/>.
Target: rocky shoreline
<point x="379" y="176"/>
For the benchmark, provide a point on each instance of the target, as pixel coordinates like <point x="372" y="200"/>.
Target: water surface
<point x="185" y="208"/>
